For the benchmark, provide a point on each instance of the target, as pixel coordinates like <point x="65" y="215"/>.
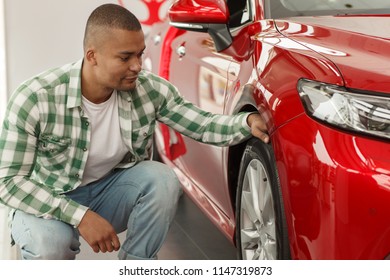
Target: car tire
<point x="261" y="230"/>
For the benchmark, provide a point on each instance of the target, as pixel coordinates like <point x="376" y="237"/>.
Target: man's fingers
<point x="262" y="136"/>
<point x="115" y="243"/>
<point x="98" y="233"/>
<point x="103" y="246"/>
<point x="112" y="244"/>
<point x="258" y="127"/>
<point x="95" y="247"/>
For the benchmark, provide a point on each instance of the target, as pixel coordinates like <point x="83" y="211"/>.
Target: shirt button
<point x="145" y="134"/>
<point x="86" y="123"/>
<point x="77" y="175"/>
<point x="85" y="149"/>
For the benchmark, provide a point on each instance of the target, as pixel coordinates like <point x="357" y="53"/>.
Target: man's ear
<point x="90" y="56"/>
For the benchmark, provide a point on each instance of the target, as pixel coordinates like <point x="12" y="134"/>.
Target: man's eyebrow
<point x="131" y="53"/>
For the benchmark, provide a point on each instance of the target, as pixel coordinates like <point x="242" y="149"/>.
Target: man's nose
<point x="135" y="65"/>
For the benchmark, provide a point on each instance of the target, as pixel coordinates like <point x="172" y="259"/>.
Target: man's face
<point x="119" y="59"/>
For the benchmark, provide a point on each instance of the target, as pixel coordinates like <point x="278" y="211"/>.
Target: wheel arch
<point x="234" y="158"/>
<point x="246" y="103"/>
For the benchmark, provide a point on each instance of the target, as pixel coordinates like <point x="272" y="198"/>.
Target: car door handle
<point x="181" y="51"/>
<point x="156" y="39"/>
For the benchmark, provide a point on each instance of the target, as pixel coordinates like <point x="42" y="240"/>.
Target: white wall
<point x="5" y="250"/>
<point x="3" y="80"/>
<point x="48" y="33"/>
<point x="40" y="34"/>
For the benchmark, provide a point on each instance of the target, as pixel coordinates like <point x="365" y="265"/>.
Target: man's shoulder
<point x="147" y="76"/>
<point x="148" y="79"/>
<point x="48" y="79"/>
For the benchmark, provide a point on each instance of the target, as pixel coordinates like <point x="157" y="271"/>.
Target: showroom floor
<point x="191" y="237"/>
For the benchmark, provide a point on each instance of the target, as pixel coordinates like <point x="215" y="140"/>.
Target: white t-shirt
<point x="106" y="148"/>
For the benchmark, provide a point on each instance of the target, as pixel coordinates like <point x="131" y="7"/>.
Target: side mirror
<point x="203" y="16"/>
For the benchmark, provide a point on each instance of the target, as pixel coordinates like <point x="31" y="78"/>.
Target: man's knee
<point x="52" y="246"/>
<point x="161" y="180"/>
<point x="158" y="171"/>
<point x="44" y="239"/>
<point x="166" y="182"/>
<point x="161" y="188"/>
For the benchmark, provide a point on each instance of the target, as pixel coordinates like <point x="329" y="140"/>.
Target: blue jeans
<point x="141" y="199"/>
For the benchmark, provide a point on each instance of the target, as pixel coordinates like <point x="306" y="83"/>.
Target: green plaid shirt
<point x="45" y="136"/>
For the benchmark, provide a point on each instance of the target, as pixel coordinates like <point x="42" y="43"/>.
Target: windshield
<point x="290" y="8"/>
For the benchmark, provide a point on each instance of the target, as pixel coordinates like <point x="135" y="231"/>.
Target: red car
<point x="318" y="72"/>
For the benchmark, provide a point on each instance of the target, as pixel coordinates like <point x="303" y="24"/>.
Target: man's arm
<point x="192" y="121"/>
<point x="18" y="153"/>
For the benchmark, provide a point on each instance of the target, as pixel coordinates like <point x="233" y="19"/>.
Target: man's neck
<point x="92" y="90"/>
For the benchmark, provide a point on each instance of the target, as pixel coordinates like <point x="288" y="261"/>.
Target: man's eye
<point x="124" y="59"/>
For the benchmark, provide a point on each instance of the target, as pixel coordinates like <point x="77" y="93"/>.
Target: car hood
<point x="359" y="46"/>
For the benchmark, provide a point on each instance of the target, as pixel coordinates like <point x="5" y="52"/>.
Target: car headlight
<point x="355" y="111"/>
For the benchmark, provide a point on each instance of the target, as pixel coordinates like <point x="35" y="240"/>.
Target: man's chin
<point x="126" y="87"/>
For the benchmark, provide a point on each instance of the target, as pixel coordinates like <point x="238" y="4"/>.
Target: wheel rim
<point x="257" y="216"/>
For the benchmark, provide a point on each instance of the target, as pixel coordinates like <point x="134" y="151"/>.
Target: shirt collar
<point x="74" y="93"/>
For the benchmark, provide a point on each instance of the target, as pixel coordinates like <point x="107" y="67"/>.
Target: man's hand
<point x="258" y="127"/>
<point x="98" y="233"/>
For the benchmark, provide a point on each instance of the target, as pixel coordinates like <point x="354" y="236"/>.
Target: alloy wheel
<point x="257" y="215"/>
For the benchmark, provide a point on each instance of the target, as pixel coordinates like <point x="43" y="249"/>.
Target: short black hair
<point x="110" y="16"/>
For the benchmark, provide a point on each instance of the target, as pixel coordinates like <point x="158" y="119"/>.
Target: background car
<point x="318" y="73"/>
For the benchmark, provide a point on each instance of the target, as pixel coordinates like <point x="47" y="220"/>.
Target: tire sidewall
<point x="258" y="150"/>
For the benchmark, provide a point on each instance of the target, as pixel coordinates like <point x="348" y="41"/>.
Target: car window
<point x="239" y="12"/>
<point x="289" y="8"/>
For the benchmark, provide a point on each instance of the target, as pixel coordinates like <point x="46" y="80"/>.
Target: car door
<point x="203" y="76"/>
<point x="200" y="73"/>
